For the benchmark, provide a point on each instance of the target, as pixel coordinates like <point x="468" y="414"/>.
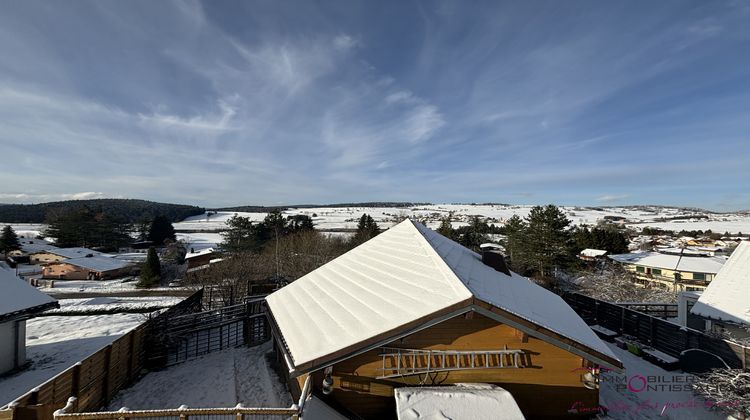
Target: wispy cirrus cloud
<point x="264" y="102"/>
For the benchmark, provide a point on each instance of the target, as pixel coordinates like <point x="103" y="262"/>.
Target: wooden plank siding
<point x="549" y="374"/>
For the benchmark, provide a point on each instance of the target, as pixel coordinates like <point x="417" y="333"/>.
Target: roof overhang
<point x="470" y="305"/>
<point x="28" y="312"/>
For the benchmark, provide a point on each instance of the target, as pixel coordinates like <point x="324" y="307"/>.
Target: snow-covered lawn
<point x="104" y="287"/>
<point x="106" y="303"/>
<point x="645" y="391"/>
<point x="220" y="379"/>
<point x="54" y="343"/>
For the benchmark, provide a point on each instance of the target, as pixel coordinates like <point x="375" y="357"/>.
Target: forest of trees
<point x="538" y="243"/>
<point x="89" y="228"/>
<point x="127" y="210"/>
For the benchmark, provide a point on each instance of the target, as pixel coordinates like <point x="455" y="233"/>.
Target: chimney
<point x="493" y="257"/>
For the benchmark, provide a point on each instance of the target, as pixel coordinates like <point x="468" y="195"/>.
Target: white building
<point x="18" y="302"/>
<point x="726" y="301"/>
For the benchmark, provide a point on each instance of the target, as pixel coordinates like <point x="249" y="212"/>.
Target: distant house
<point x="672" y="269"/>
<point x="91" y="267"/>
<point x="58" y="254"/>
<point x="410" y="307"/>
<point x="18" y="302"/>
<point x="726" y="301"/>
<point x="200" y="258"/>
<point x="591" y="255"/>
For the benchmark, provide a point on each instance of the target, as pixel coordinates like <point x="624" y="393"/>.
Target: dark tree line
<point x="88" y="228"/>
<point x="95" y="228"/>
<point x="127" y="210"/>
<point x="609" y="239"/>
<point x="245" y="235"/>
<point x="538" y="243"/>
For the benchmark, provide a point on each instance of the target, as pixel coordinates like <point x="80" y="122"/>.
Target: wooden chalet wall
<point x="548" y="384"/>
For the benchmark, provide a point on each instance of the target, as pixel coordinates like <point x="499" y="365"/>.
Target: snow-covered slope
<point x="338" y="218"/>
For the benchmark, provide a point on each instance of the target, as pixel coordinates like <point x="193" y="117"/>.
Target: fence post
<point x="622" y="320"/>
<point x="105" y="379"/>
<point x="131" y="350"/>
<point x="652" y="331"/>
<point x="75" y="383"/>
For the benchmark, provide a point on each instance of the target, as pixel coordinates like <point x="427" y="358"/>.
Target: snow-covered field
<point x="54" y="343"/>
<point x="667" y="395"/>
<point x="330" y="218"/>
<point x="221" y="379"/>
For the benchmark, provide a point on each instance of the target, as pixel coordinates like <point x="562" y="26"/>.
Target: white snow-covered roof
<point x="403" y="276"/>
<point x="71" y="252"/>
<point x="199" y="253"/>
<point x="727" y="297"/>
<point x="462" y="401"/>
<point x="17" y="296"/>
<point x="685" y="263"/>
<point x="590" y="252"/>
<point x="97" y="263"/>
<point x="31" y="245"/>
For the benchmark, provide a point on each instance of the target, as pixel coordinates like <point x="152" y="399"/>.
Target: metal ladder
<point x="399" y="362"/>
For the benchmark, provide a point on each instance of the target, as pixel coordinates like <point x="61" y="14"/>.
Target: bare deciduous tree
<point x="727" y="389"/>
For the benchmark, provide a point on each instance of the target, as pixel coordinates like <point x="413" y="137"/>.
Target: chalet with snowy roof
<point x="411" y="308"/>
<point x="592" y="255"/>
<point x="89" y="267"/>
<point x="19" y="301"/>
<point x="726" y="301"/>
<point x="199" y="258"/>
<point x="672" y="268"/>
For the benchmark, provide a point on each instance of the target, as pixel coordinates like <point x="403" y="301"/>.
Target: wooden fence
<point x="658" y="333"/>
<point x="97" y="378"/>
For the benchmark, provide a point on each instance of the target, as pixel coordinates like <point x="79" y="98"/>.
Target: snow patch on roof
<point x="590" y="252"/>
<point x="726" y="297"/>
<point x="97" y="263"/>
<point x="17" y="295"/>
<point x="686" y="263"/>
<point x="462" y="401"/>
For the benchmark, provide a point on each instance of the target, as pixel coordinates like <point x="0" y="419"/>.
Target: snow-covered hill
<point x="345" y="218"/>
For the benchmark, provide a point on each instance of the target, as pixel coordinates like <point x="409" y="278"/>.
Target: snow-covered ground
<point x="107" y="303"/>
<point x="221" y="379"/>
<point x="645" y="391"/>
<point x="103" y="287"/>
<point x="333" y="218"/>
<point x="54" y="343"/>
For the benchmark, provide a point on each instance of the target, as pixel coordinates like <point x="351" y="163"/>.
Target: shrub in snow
<point x="727" y="390"/>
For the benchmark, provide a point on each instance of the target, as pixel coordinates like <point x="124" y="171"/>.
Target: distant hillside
<point x="266" y="209"/>
<point x="124" y="209"/>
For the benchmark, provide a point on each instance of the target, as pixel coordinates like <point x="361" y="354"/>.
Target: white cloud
<point x="611" y="198"/>
<point x="39" y="198"/>
<point x="344" y="42"/>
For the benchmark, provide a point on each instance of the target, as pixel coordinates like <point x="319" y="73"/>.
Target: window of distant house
<point x="656" y="271"/>
<point x="640" y="269"/>
<point x="699" y="276"/>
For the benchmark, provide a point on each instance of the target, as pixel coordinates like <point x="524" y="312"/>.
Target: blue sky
<point x="230" y="103"/>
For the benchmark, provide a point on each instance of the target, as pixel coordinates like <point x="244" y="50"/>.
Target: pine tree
<point x="161" y="229"/>
<point x="446" y="227"/>
<point x="548" y="239"/>
<point x="9" y="240"/>
<point x="299" y="223"/>
<point x="515" y="242"/>
<point x="151" y="270"/>
<point x="241" y="235"/>
<point x="367" y="229"/>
